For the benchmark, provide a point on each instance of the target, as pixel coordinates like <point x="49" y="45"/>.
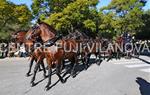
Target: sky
<point x="101" y="4"/>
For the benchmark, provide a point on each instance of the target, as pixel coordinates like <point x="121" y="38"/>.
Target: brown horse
<point x="53" y="54"/>
<point x="91" y="46"/>
<point x="19" y="37"/>
<point x="117" y="50"/>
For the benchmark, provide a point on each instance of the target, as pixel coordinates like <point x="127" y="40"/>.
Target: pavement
<point x="116" y="77"/>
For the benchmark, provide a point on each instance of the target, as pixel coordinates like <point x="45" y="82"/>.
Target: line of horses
<point x="55" y="57"/>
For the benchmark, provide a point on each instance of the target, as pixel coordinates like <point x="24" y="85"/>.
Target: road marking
<point x="127" y="62"/>
<point x="145" y="70"/>
<point x="137" y="65"/>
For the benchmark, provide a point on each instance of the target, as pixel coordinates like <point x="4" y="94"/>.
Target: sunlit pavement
<point x="116" y="77"/>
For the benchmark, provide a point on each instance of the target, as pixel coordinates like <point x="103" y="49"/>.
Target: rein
<point x="52" y="41"/>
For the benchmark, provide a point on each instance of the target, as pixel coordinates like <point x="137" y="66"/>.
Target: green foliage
<point x="82" y="15"/>
<point x="79" y="14"/>
<point x="13" y="17"/>
<point x="126" y="15"/>
<point x="43" y="8"/>
<point x="144" y="31"/>
<point x="90" y="24"/>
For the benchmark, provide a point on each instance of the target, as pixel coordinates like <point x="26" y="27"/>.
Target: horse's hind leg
<point x="44" y="70"/>
<point x="58" y="70"/>
<point x="74" y="63"/>
<point x="100" y="59"/>
<point x="62" y="65"/>
<point x="49" y="77"/>
<point x="87" y="60"/>
<point x="30" y="66"/>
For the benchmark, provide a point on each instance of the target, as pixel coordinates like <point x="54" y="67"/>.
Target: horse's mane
<point x="77" y="34"/>
<point x="50" y="27"/>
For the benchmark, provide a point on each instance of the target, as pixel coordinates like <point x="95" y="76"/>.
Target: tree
<point x="127" y="16"/>
<point x="79" y="14"/>
<point x="13" y="17"/>
<point x="43" y="8"/>
<point x="144" y="31"/>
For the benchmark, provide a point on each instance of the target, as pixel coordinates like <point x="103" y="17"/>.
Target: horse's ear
<point x="38" y="21"/>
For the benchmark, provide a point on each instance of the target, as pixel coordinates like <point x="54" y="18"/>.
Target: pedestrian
<point x="22" y="51"/>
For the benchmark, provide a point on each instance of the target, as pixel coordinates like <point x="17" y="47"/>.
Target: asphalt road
<point x="116" y="77"/>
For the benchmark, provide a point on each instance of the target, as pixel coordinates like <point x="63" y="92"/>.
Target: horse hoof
<point x="32" y="84"/>
<point x="46" y="88"/>
<point x="40" y="70"/>
<point x="63" y="81"/>
<point x="28" y="74"/>
<point x="45" y="76"/>
<point x="73" y="75"/>
<point x="85" y="68"/>
<point x="98" y="63"/>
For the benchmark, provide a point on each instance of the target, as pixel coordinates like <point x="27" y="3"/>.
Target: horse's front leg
<point x="34" y="74"/>
<point x="30" y="67"/>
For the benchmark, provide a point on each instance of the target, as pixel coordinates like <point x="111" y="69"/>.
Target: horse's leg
<point x="100" y="60"/>
<point x="104" y="55"/>
<point x="74" y="62"/>
<point x="109" y="57"/>
<point x="40" y="69"/>
<point x="83" y="56"/>
<point x="30" y="66"/>
<point x="62" y="65"/>
<point x="34" y="74"/>
<point x="58" y="70"/>
<point x="118" y="55"/>
<point x="83" y="59"/>
<point x="49" y="77"/>
<point x="44" y="70"/>
<point x="88" y="58"/>
<point x="96" y="54"/>
<point x="73" y="70"/>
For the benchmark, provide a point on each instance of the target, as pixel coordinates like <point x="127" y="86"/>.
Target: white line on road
<point x="145" y="70"/>
<point x="137" y="65"/>
<point x="127" y="62"/>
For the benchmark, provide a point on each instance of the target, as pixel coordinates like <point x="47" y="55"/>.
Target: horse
<point x="117" y="50"/>
<point x="19" y="37"/>
<point x="53" y="54"/>
<point x="91" y="46"/>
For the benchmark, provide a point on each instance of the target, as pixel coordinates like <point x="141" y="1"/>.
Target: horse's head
<point x="33" y="33"/>
<point x="18" y="36"/>
<point x="43" y="31"/>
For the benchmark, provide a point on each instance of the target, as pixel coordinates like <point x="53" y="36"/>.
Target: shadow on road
<point x="81" y="67"/>
<point x="144" y="86"/>
<point x="66" y="74"/>
<point x="142" y="60"/>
